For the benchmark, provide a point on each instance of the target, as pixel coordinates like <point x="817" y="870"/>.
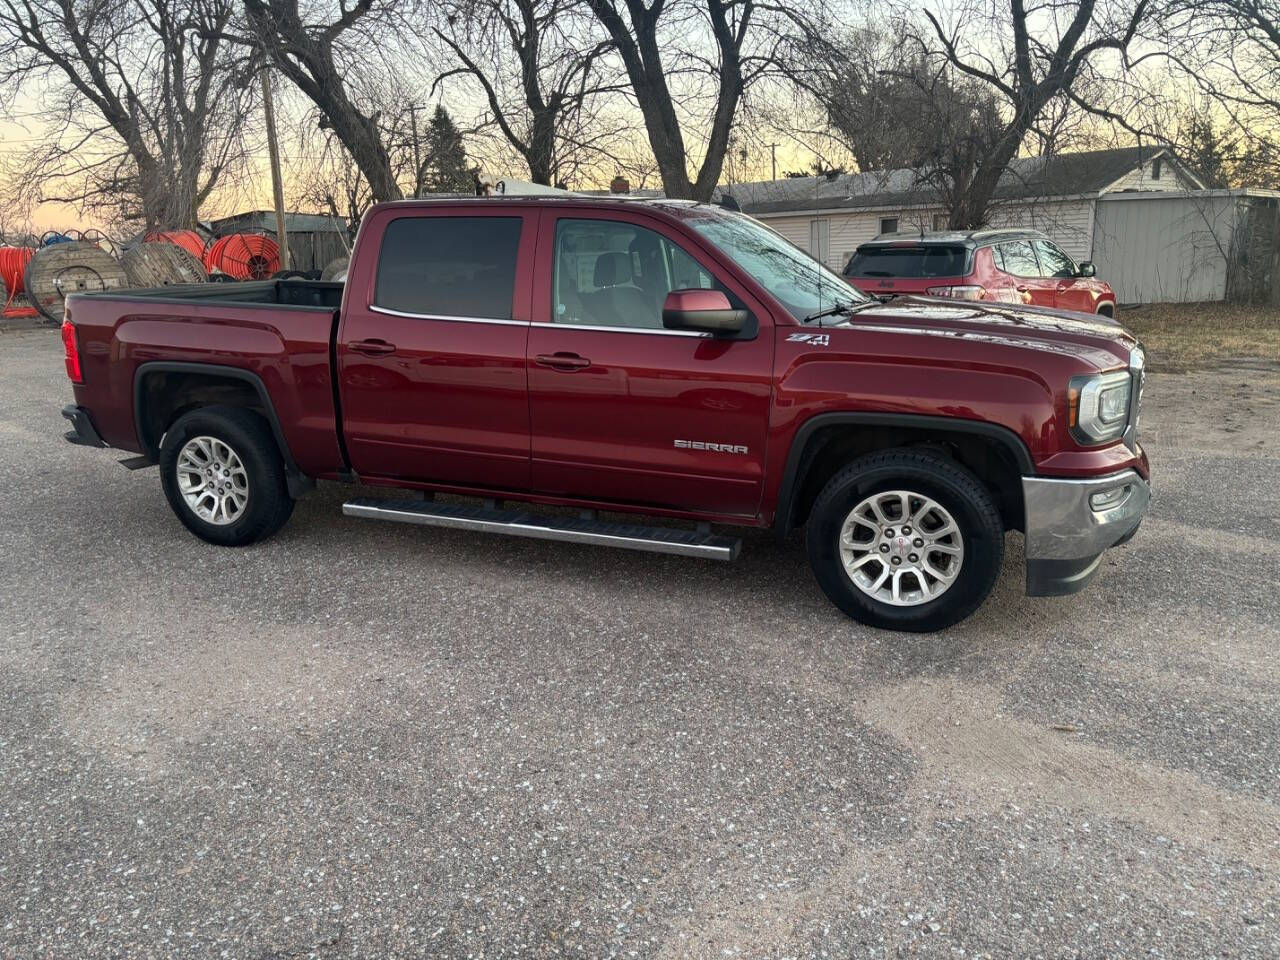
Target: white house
<point x="830" y="215"/>
<point x="1148" y="224"/>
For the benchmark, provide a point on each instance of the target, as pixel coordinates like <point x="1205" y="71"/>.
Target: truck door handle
<point x="561" y="361"/>
<point x="373" y="348"/>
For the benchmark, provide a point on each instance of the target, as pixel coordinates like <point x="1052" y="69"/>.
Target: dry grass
<point x="1190" y="336"/>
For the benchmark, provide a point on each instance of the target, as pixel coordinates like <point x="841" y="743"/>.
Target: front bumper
<point x="83" y="431"/>
<point x="1070" y="522"/>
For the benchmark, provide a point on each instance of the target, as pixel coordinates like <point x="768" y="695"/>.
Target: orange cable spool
<point x="244" y="256"/>
<point x="13" y="264"/>
<point x="188" y="240"/>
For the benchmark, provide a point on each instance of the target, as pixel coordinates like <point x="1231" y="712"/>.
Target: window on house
<point x="1156" y="164"/>
<point x="888" y="224"/>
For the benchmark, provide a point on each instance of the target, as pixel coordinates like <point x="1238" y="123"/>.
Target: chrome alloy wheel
<point x="213" y="480"/>
<point x="901" y="548"/>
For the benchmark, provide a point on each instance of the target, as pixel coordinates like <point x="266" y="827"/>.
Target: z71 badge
<point x="813" y="339"/>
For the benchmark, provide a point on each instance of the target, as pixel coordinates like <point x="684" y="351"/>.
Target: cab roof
<point x="678" y="209"/>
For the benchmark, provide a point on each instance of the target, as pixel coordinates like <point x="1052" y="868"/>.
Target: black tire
<point x="952" y="487"/>
<point x="268" y="503"/>
<point x="1107" y="310"/>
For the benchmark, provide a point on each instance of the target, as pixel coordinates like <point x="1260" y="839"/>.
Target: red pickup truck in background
<point x="665" y="358"/>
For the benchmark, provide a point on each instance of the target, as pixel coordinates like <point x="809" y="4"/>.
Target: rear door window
<point x="449" y="266"/>
<point x="1018" y="259"/>
<point x="1053" y="262"/>
<point x="923" y="261"/>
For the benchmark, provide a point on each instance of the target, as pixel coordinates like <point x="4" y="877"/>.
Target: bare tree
<point x="868" y="84"/>
<point x="144" y="102"/>
<point x="539" y="66"/>
<point x="976" y="88"/>
<point x="324" y="60"/>
<point x="1231" y="50"/>
<point x="663" y="47"/>
<point x="1026" y="62"/>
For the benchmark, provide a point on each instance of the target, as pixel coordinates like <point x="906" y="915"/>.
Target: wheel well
<point x="830" y="448"/>
<point x="1107" y="309"/>
<point x="164" y="396"/>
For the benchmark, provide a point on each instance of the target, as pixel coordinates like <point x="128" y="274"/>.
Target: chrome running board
<point x="522" y="523"/>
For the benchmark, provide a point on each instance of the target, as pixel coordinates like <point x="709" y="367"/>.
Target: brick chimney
<point x="619" y="184"/>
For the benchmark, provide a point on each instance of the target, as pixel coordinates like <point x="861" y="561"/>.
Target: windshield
<point x="923" y="261"/>
<point x="796" y="280"/>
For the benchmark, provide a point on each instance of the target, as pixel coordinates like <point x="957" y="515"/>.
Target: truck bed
<point x="138" y="346"/>
<point x="276" y="293"/>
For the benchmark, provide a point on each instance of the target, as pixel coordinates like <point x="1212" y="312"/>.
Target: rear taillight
<point x="71" y="352"/>
<point x="969" y="291"/>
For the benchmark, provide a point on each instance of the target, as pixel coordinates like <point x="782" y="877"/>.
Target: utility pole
<point x="773" y="160"/>
<point x="417" y="160"/>
<point x="273" y="148"/>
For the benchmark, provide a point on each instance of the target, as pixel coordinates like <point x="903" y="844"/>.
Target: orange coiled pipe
<point x="188" y="240"/>
<point x="244" y="256"/>
<point x="13" y="265"/>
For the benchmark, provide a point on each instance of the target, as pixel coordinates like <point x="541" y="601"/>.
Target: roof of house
<point x="1060" y="175"/>
<point x="266" y="220"/>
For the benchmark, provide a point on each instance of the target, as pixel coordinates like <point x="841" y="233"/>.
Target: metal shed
<point x="1189" y="246"/>
<point x="315" y="239"/>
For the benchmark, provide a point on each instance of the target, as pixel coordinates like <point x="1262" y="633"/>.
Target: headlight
<point x="1099" y="406"/>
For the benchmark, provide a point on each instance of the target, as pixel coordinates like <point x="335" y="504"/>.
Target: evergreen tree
<point x="1209" y="152"/>
<point x="445" y="168"/>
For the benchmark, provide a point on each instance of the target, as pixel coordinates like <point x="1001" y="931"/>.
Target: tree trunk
<point x="971" y="203"/>
<point x="541" y="153"/>
<point x="308" y="62"/>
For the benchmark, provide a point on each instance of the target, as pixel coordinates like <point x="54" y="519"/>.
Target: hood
<point x="1096" y="339"/>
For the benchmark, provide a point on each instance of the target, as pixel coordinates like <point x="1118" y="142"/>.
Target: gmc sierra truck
<point x="665" y="358"/>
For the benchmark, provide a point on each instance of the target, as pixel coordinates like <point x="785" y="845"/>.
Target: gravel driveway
<point x="369" y="740"/>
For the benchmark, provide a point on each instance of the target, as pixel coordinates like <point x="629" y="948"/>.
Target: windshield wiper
<point x="845" y="306"/>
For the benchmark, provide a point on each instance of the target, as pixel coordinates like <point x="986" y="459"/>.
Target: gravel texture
<point x="369" y="740"/>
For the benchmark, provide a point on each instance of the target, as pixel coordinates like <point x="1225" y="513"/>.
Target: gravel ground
<point x="370" y="740"/>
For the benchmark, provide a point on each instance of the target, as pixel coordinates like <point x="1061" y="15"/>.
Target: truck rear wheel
<point x="223" y="476"/>
<point x="905" y="540"/>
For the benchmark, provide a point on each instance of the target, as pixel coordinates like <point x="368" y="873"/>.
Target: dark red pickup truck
<point x="651" y="357"/>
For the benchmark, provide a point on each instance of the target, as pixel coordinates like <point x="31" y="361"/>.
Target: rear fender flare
<point x="298" y="481"/>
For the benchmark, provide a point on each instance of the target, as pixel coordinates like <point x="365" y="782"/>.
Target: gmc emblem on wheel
<point x="714" y="447"/>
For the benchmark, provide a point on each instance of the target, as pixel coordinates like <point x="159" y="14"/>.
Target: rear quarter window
<point x="449" y="266"/>
<point x="923" y="261"/>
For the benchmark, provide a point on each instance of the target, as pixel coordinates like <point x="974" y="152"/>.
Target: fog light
<point x="1108" y="498"/>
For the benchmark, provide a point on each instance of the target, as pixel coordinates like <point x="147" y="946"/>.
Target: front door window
<point x="614" y="274"/>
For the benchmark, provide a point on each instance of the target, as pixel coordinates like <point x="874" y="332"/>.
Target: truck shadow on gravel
<point x="766" y="600"/>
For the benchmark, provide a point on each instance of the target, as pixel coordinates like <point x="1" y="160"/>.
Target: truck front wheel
<point x="224" y="477"/>
<point x="905" y="540"/>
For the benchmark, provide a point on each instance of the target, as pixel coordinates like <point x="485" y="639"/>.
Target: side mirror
<point x="706" y="310"/>
<point x="1087" y="269"/>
